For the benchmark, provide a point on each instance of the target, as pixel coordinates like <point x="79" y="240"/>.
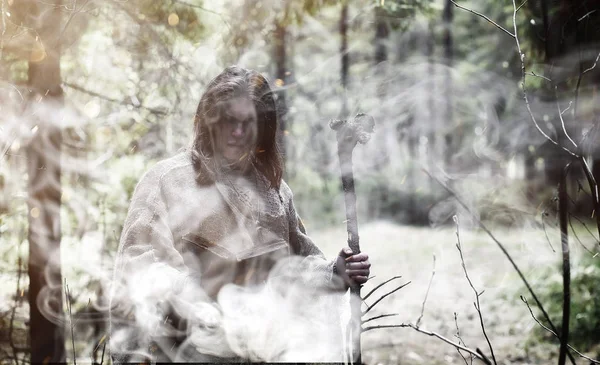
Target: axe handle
<point x="345" y="157"/>
<point x="350" y="200"/>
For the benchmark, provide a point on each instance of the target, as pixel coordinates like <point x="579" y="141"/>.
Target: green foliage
<point x="585" y="304"/>
<point x="401" y="13"/>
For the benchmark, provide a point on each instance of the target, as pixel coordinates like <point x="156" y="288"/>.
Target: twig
<point x="554" y="333"/>
<point x="593" y="66"/>
<point x="546" y="232"/>
<point x="500" y="245"/>
<point x="560" y="115"/>
<point x="426" y="294"/>
<point x="457" y="335"/>
<point x="586" y="228"/>
<point x="576" y="236"/>
<point x="586" y="15"/>
<point x="531" y="73"/>
<point x="477" y="295"/>
<point x="383" y="296"/>
<point x="484" y="17"/>
<point x="70" y="321"/>
<point x="520" y="6"/>
<point x="485" y="359"/>
<point x="525" y="96"/>
<point x="567" y="108"/>
<point x="102" y="357"/>
<point x="104" y="97"/>
<point x="380" y="316"/>
<point x="379" y="286"/>
<point x="18" y="295"/>
<point x="432" y="334"/>
<point x="594" y="189"/>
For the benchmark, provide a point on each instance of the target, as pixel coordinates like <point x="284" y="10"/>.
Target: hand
<point x="354" y="269"/>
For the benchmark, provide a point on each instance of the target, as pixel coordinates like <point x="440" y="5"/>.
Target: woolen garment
<point x="182" y="242"/>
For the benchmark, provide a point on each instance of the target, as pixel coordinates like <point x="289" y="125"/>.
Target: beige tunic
<point x="182" y="242"/>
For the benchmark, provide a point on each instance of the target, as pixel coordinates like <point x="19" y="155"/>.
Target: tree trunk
<point x="44" y="189"/>
<point x="280" y="81"/>
<point x="344" y="56"/>
<point x="448" y="87"/>
<point x="382" y="33"/>
<point x="432" y="117"/>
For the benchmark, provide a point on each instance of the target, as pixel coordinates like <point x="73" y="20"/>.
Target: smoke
<point x="294" y="316"/>
<point x="112" y="134"/>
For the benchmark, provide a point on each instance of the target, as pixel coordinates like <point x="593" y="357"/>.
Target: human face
<point x="236" y="132"/>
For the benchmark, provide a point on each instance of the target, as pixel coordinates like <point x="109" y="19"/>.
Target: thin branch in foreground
<point x="554" y="333"/>
<point x="577" y="237"/>
<point x="121" y="102"/>
<point x="379" y="286"/>
<point x="586" y="228"/>
<point x="531" y="73"/>
<point x="520" y="6"/>
<point x="524" y="89"/>
<point x="477" y="294"/>
<point x="546" y="232"/>
<point x="501" y="247"/>
<point x="460" y="340"/>
<point x="593" y="66"/>
<point x="484" y="17"/>
<point x="523" y="72"/>
<point x="380" y="316"/>
<point x="383" y="297"/>
<point x="426" y="294"/>
<point x="594" y="190"/>
<point x="69" y="304"/>
<point x="432" y="334"/>
<point x="560" y="115"/>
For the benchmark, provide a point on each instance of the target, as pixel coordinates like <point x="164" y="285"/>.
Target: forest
<point x="477" y="193"/>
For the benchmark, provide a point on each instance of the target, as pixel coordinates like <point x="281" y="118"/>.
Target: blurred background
<point x="93" y="93"/>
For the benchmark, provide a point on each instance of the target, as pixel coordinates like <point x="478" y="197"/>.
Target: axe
<point x="348" y="134"/>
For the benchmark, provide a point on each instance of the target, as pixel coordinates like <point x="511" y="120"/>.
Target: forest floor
<point x="408" y="251"/>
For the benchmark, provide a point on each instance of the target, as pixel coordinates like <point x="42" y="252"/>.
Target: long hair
<point x="233" y="82"/>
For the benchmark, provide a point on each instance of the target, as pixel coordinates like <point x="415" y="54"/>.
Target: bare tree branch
<point x="524" y="89"/>
<point x="477" y="294"/>
<point x="379" y="286"/>
<point x="531" y="73"/>
<point x="121" y="102"/>
<point x="544" y="213"/>
<point x="594" y="188"/>
<point x="560" y="115"/>
<point x="577" y="237"/>
<point x="460" y="340"/>
<point x="426" y="294"/>
<point x="383" y="297"/>
<point x="499" y="244"/>
<point x="484" y="17"/>
<point x="432" y="334"/>
<point x="593" y="66"/>
<point x="69" y="304"/>
<point x="554" y="333"/>
<point x="380" y="316"/>
<point x="520" y="6"/>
